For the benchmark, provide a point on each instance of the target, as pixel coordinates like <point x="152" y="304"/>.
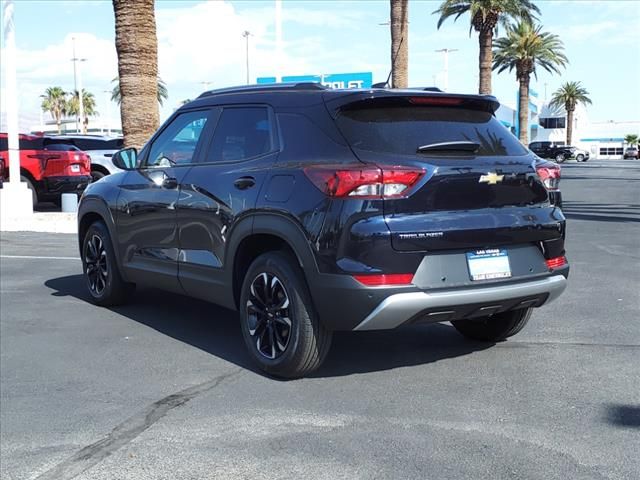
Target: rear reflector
<point x="364" y="181"/>
<point x="380" y="280"/>
<point x="556" y="262"/>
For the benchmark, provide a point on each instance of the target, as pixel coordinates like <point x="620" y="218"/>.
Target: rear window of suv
<point x="401" y="130"/>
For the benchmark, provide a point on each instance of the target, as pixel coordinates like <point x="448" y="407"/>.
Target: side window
<point x="241" y="133"/>
<point x="176" y="145"/>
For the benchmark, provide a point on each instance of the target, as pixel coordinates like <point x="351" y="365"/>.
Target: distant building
<point x="603" y="140"/>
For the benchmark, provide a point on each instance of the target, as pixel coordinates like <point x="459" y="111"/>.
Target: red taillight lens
<point x="556" y="262"/>
<point x="385" y="280"/>
<point x="550" y="176"/>
<point x="364" y="182"/>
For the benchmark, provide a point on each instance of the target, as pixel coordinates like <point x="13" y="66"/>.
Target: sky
<point x="200" y="47"/>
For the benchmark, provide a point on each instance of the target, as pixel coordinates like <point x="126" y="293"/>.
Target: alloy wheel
<point x="269" y="315"/>
<point x="95" y="258"/>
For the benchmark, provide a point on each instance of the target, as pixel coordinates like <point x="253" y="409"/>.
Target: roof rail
<point x="267" y="87"/>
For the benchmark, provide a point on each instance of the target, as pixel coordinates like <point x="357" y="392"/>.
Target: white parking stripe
<point x="30" y="257"/>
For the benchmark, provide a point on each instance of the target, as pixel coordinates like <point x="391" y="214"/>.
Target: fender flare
<point x="97" y="206"/>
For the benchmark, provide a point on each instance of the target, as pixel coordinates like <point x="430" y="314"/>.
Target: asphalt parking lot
<point x="163" y="388"/>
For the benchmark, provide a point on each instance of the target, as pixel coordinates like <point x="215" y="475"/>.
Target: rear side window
<point x="402" y="130"/>
<point x="61" y="147"/>
<point x="241" y="133"/>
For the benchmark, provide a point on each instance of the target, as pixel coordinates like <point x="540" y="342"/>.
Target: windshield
<point x="403" y="130"/>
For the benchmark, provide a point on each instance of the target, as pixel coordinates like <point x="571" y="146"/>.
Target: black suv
<point x="311" y="210"/>
<point x="559" y="153"/>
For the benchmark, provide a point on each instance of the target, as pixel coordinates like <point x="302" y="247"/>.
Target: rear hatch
<point x="480" y="187"/>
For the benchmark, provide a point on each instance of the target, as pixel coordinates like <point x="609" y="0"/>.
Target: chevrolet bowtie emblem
<point x="491" y="178"/>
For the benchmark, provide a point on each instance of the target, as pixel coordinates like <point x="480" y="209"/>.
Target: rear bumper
<point x="438" y="306"/>
<point x="55" y="186"/>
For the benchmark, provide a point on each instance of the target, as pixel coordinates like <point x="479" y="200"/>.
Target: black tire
<point x="101" y="273"/>
<point x="494" y="328"/>
<point x="96" y="175"/>
<point x="580" y="157"/>
<point x="30" y="186"/>
<point x="289" y="341"/>
<point x="560" y="158"/>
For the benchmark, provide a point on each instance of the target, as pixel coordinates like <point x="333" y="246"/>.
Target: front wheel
<point x="279" y="323"/>
<point x="101" y="272"/>
<point x="494" y="328"/>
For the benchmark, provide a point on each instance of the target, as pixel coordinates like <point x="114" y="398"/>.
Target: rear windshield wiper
<point x="460" y="146"/>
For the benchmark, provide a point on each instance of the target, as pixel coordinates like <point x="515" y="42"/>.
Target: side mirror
<point x="126" y="159"/>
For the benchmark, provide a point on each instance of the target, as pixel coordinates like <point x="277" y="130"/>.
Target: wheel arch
<point x="90" y="211"/>
<point x="261" y="233"/>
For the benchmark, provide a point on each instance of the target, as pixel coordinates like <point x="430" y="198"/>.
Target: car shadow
<point x="216" y="330"/>
<point x="618" y="213"/>
<point x="627" y="416"/>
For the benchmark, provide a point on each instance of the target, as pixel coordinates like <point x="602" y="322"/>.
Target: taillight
<point x="392" y="279"/>
<point x="550" y="176"/>
<point x="446" y="101"/>
<point x="365" y="181"/>
<point x="556" y="262"/>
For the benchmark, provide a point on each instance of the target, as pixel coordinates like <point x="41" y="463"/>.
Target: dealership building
<point x="603" y="140"/>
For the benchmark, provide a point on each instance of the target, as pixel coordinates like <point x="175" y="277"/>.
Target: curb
<point x="44" y="222"/>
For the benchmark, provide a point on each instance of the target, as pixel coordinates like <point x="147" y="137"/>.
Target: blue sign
<point x="333" y="80"/>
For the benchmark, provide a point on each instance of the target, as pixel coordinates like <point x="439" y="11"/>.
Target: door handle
<point x="243" y="183"/>
<point x="169" y="182"/>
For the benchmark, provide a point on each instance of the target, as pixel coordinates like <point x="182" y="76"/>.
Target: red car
<point x="49" y="170"/>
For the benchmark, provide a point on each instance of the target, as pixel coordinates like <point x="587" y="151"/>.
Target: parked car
<point x="558" y="152"/>
<point x="99" y="148"/>
<point x="48" y="171"/>
<point x="631" y="152"/>
<point x="311" y="210"/>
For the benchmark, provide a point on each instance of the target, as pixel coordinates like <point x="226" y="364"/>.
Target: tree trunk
<point x="399" y="43"/>
<point x="137" y="48"/>
<point x="569" y="125"/>
<point x="59" y="125"/>
<point x="523" y="110"/>
<point x="485" y="60"/>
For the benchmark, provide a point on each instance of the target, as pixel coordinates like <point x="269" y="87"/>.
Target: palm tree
<point x="137" y="49"/>
<point x="163" y="93"/>
<point x="568" y="96"/>
<point x="55" y="102"/>
<point x="523" y="48"/>
<point x="631" y="139"/>
<point x="88" y="107"/>
<point x="485" y="16"/>
<point x="399" y="43"/>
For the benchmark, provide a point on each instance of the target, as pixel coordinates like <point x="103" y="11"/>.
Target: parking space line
<point x="32" y="257"/>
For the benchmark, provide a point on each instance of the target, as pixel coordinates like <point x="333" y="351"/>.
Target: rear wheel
<point x="30" y="186"/>
<point x="560" y="158"/>
<point x="96" y="175"/>
<point x="279" y="324"/>
<point x="494" y="328"/>
<point x="580" y="157"/>
<point x="101" y="272"/>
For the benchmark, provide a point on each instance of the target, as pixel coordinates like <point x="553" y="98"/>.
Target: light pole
<point x="107" y="100"/>
<point x="446" y="52"/>
<point x="246" y="34"/>
<point x="278" y="21"/>
<point x="15" y="197"/>
<point x="77" y="84"/>
<point x="42" y="115"/>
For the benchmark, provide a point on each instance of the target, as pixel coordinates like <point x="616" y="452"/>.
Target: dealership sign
<point x="333" y="80"/>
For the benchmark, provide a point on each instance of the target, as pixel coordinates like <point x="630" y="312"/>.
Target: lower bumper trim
<point x="402" y="307"/>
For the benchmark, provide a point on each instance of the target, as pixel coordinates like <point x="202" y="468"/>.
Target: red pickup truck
<point x="47" y="170"/>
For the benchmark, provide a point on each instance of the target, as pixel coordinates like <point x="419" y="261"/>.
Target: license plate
<point x="75" y="168"/>
<point x="488" y="264"/>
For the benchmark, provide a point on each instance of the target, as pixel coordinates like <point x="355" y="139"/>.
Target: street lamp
<point x="107" y="99"/>
<point x="446" y="52"/>
<point x="246" y="34"/>
<point x="77" y="83"/>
